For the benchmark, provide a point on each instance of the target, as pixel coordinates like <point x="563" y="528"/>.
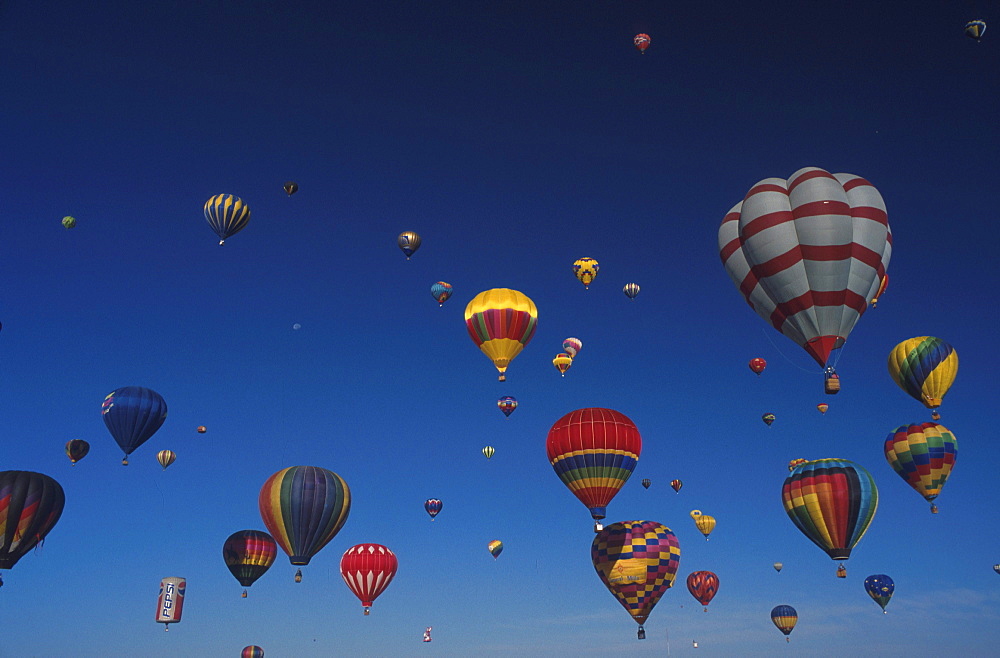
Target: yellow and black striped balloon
<point x="227" y="215"/>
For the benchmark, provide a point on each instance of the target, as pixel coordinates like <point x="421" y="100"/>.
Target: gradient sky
<point x="515" y="138"/>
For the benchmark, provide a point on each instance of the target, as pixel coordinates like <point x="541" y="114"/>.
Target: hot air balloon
<point x="676" y="485"/>
<point x="572" y="346"/>
<point x="882" y="287"/>
<point x="30" y="505"/>
<point x="757" y="365"/>
<point x="507" y="405"/>
<point x="488" y="452"/>
<point x="291" y="188"/>
<point x="768" y="419"/>
<point x="132" y="415"/>
<point x="641" y="42"/>
<point x="975" y="29"/>
<point x="304" y="507"/>
<point x="703" y="585"/>
<point x="924" y="367"/>
<point x="832" y="501"/>
<point x="166" y="458"/>
<point x="433" y="507"/>
<point x="585" y="270"/>
<point x="76" y="450"/>
<point x="996" y="567"/>
<point x="170" y="602"/>
<point x="637" y="561"/>
<point x="808" y="253"/>
<point x="427" y="634"/>
<point x="441" y="292"/>
<point x="646" y="482"/>
<point x="227" y="215"/>
<point x="594" y="452"/>
<point x="923" y="455"/>
<point x="368" y="569"/>
<point x="704" y="523"/>
<point x="880" y="587"/>
<point x="202" y="429"/>
<point x="501" y="322"/>
<point x="495" y="547"/>
<point x="822" y="407"/>
<point x="252" y="651"/>
<point x="409" y="242"/>
<point x="562" y="362"/>
<point x="631" y="290"/>
<point x="785" y="618"/>
<point x="249" y="554"/>
<point x="778" y="566"/>
<point x="68" y="221"/>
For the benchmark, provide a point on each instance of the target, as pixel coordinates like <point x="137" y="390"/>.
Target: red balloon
<point x="703" y="585"/>
<point x="641" y="42"/>
<point x="368" y="569"/>
<point x="758" y="365"/>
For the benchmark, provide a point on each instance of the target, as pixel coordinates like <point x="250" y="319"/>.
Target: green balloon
<point x="68" y="222"/>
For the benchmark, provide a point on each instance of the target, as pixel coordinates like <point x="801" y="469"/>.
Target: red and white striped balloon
<point x="808" y="253"/>
<point x="368" y="569"/>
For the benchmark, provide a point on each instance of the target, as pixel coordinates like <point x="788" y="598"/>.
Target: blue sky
<point x="514" y="139"/>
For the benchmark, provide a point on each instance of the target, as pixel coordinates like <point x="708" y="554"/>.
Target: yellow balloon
<point x="501" y="321"/>
<point x="704" y="522"/>
<point x="586" y="269"/>
<point x="924" y="367"/>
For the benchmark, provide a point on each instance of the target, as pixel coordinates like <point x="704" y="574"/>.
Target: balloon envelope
<point x="637" y="561"/>
<point x="631" y="290"/>
<point x="408" y="242"/>
<point x="252" y="651"/>
<point x="433" y="507"/>
<point x="166" y="458"/>
<point x="572" y="346"/>
<point x="304" y="507"/>
<point x="975" y="29"/>
<point x="30" y="505"/>
<point x="585" y="270"/>
<point x="880" y="587"/>
<point x="488" y="451"/>
<point x="832" y="501"/>
<point x="77" y="449"/>
<point x="249" y="554"/>
<point x="703" y="585"/>
<point x="291" y="187"/>
<point x="227" y="215"/>
<point x="676" y="485"/>
<point x="704" y="522"/>
<point x="501" y="322"/>
<point x="68" y="221"/>
<point x="784" y="617"/>
<point x="757" y="365"/>
<point x="808" y="253"/>
<point x="594" y="451"/>
<point x="641" y="42"/>
<point x="495" y="547"/>
<point x="367" y="569"/>
<point x="441" y="292"/>
<point x="133" y="414"/>
<point x="646" y="482"/>
<point x="924" y="367"/>
<point x="562" y="362"/>
<point x="507" y="405"/>
<point x="923" y="455"/>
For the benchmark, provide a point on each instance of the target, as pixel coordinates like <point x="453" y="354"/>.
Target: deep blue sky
<point x="514" y="138"/>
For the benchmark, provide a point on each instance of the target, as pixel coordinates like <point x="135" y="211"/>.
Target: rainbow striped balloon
<point x="304" y="507"/>
<point x="501" y="322"/>
<point x="923" y="455"/>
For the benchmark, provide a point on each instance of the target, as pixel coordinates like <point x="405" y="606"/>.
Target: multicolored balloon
<point x="676" y="485"/>
<point x="441" y="292"/>
<point x="808" y="253"/>
<point x="822" y="407"/>
<point x="408" y="242"/>
<point x="641" y="42"/>
<point x="924" y="367"/>
<point x="631" y="290"/>
<point x="507" y="405"/>
<point x="252" y="651"/>
<point x="637" y="561"/>
<point x="249" y="554"/>
<point x="77" y="449"/>
<point x="832" y="501"/>
<point x="703" y="585"/>
<point x="30" y="505"/>
<point x="227" y="215"/>
<point x="368" y="569"/>
<point x="488" y="452"/>
<point x="757" y="365"/>
<point x="202" y="429"/>
<point x="68" y="221"/>
<point x="291" y="187"/>
<point x="562" y="362"/>
<point x="166" y="458"/>
<point x="133" y="414"/>
<point x="433" y="507"/>
<point x="923" y="455"/>
<point x="572" y="346"/>
<point x="495" y="548"/>
<point x="594" y="451"/>
<point x="785" y="618"/>
<point x="585" y="270"/>
<point x="880" y="587"/>
<point x="170" y="602"/>
<point x="975" y="29"/>
<point x="704" y="522"/>
<point x="768" y="419"/>
<point x="304" y="507"/>
<point x="501" y="322"/>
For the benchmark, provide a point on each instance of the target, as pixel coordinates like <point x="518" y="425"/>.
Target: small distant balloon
<point x="441" y="292"/>
<point x="170" y="603"/>
<point x="76" y="450"/>
<point x="641" y="42"/>
<point x="585" y="270"/>
<point x="562" y="362"/>
<point x="646" y="482"/>
<point x="296" y="326"/>
<point x="631" y="290"/>
<point x="68" y="221"/>
<point x="291" y="188"/>
<point x="704" y="522"/>
<point x="507" y="405"/>
<point x="785" y="618"/>
<point x="166" y="458"/>
<point x="822" y="407"/>
<point x="996" y="567"/>
<point x="202" y="429"/>
<point x="409" y="242"/>
<point x="495" y="547"/>
<point x="768" y="419"/>
<point x="975" y="29"/>
<point x="252" y="651"/>
<point x="433" y="507"/>
<point x="778" y="566"/>
<point x="427" y="634"/>
<point x="881" y="290"/>
<point x="488" y="452"/>
<point x="676" y="485"/>
<point x="880" y="587"/>
<point x="572" y="346"/>
<point x="757" y="365"/>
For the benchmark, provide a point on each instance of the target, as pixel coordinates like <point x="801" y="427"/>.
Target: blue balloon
<point x="133" y="414"/>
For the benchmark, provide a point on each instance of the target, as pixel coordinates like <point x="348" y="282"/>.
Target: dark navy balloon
<point x="880" y="587"/>
<point x="133" y="414"/>
<point x="30" y="505"/>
